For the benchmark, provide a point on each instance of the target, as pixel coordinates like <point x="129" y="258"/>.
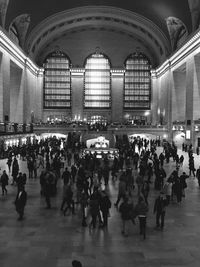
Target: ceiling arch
<point x="100" y="17"/>
<point x="129" y="43"/>
<point x="154" y="10"/>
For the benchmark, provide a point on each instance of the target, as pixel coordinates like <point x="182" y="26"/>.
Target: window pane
<point x="57" y="81"/>
<point x="137" y="85"/>
<point x="97" y="82"/>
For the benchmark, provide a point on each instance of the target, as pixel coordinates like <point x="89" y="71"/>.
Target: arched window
<point x="57" y="81"/>
<point x="97" y="82"/>
<point x="137" y="82"/>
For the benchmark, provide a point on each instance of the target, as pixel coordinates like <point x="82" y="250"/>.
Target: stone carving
<point x="194" y="6"/>
<point x="177" y="31"/>
<point x="3" y="10"/>
<point x="21" y="23"/>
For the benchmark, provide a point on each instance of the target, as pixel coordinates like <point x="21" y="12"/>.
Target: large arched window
<point x="57" y="81"/>
<point x="97" y="82"/>
<point x="137" y="82"/>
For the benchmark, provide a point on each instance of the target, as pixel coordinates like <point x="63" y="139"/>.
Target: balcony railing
<point x="7" y="128"/>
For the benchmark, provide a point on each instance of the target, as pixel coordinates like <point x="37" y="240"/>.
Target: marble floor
<point x="47" y="238"/>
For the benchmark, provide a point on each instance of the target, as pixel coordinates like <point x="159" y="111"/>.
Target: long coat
<point x="20" y="201"/>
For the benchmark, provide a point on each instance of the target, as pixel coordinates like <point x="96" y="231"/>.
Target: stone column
<point x="77" y="83"/>
<point x="16" y="94"/>
<point x="178" y="96"/>
<point x="155" y="100"/>
<point x="117" y="96"/>
<point x="189" y="111"/>
<point x="38" y="112"/>
<point x="4" y="86"/>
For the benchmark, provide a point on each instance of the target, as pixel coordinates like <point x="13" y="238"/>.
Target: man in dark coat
<point x="15" y="170"/>
<point x="66" y="176"/>
<point x="20" y="202"/>
<point x="105" y="205"/>
<point x="4" y="182"/>
<point x="160" y="209"/>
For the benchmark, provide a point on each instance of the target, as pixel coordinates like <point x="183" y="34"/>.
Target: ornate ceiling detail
<point x="21" y="23"/>
<point x="177" y="31"/>
<point x="98" y="17"/>
<point x="3" y="10"/>
<point x="195" y="13"/>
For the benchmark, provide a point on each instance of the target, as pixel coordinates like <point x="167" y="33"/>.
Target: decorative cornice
<point x="18" y="54"/>
<point x="180" y="55"/>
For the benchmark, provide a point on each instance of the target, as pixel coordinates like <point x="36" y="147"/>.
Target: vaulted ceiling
<point x="157" y="27"/>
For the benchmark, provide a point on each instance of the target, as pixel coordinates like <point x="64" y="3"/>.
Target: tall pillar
<point x="169" y="105"/>
<point x="154" y="100"/>
<point x="16" y="93"/>
<point x="196" y="98"/>
<point x="178" y="95"/>
<point x="38" y="111"/>
<point x="196" y="106"/>
<point x="4" y="87"/>
<point x="189" y="111"/>
<point x="77" y="83"/>
<point x="117" y="96"/>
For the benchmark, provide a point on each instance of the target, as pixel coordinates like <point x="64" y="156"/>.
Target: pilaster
<point x="117" y="96"/>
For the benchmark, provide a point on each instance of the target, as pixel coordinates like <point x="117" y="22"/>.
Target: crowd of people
<point x="86" y="180"/>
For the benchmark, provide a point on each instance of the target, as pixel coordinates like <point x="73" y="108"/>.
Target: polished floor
<point x="47" y="238"/>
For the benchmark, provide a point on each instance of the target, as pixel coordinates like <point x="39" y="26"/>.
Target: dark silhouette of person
<point x="4" y="182"/>
<point x="20" y="202"/>
<point x="76" y="263"/>
<point x="160" y="210"/>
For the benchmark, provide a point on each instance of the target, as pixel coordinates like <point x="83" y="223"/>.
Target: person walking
<point x="160" y="210"/>
<point x="121" y="189"/>
<point x="167" y="189"/>
<point x="105" y="205"/>
<point x="9" y="163"/>
<point x="198" y="175"/>
<point x="84" y="206"/>
<point x="4" y="182"/>
<point x="145" y="191"/>
<point x="68" y="199"/>
<point x="126" y="210"/>
<point x="15" y="170"/>
<point x="191" y="166"/>
<point x="66" y="176"/>
<point x="139" y="182"/>
<point x="47" y="188"/>
<point x="20" y="202"/>
<point x="94" y="203"/>
<point x="183" y="182"/>
<point x="140" y="211"/>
